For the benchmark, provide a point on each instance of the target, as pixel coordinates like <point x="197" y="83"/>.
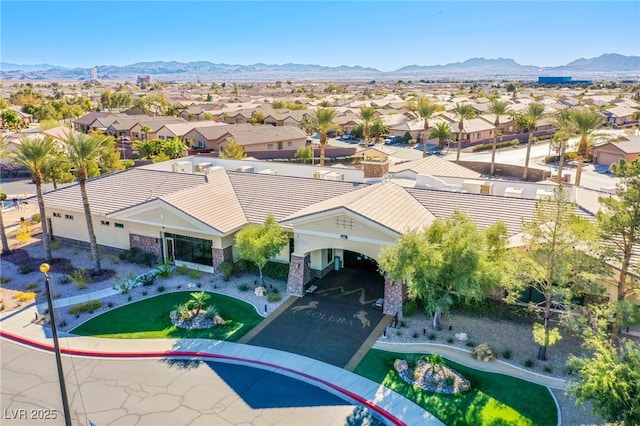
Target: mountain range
<point x="606" y="66"/>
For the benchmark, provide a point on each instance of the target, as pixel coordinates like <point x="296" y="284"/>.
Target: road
<point x="159" y="392"/>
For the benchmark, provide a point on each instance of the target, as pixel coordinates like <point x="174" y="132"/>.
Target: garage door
<point x="606" y="159"/>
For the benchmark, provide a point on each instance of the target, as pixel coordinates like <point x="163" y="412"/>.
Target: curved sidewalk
<point x="462" y="356"/>
<point x="392" y="407"/>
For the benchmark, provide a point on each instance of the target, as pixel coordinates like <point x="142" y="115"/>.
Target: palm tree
<point x="198" y="299"/>
<point x="4" y="152"/>
<point x="463" y="112"/>
<point x="425" y="110"/>
<point x="145" y="130"/>
<point x="367" y="114"/>
<point x="443" y="133"/>
<point x="564" y="123"/>
<point x="534" y="112"/>
<point x="323" y="123"/>
<point x="306" y="124"/>
<point x="585" y="122"/>
<point x="378" y="128"/>
<point x="34" y="154"/>
<point x="497" y="108"/>
<point x="84" y="151"/>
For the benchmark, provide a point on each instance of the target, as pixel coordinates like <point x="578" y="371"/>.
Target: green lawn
<point x="149" y="319"/>
<point x="494" y="399"/>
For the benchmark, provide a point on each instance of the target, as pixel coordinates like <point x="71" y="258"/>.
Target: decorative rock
<point x="173" y="315"/>
<point x="400" y="365"/>
<point x="462" y="337"/>
<point x="261" y="291"/>
<point x="432" y="377"/>
<point x="217" y="320"/>
<point x="484" y="352"/>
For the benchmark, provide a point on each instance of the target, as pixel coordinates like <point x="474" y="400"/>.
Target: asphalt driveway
<point x="332" y="323"/>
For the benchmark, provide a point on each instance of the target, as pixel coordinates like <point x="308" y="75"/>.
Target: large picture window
<point x="191" y="249"/>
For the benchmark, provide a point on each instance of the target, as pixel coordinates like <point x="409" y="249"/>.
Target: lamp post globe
<point x="44" y="268"/>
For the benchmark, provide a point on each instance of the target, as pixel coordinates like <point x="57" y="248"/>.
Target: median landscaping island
<point x="491" y="399"/>
<point x="152" y="319"/>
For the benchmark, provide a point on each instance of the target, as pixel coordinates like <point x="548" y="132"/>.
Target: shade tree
<point x="259" y="243"/>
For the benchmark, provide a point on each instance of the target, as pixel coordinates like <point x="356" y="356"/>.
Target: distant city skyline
<point x="378" y="34"/>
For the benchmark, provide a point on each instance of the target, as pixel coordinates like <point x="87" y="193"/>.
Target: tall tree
<point x="443" y="133"/>
<point x="322" y="120"/>
<point x="57" y="168"/>
<point x="534" y="112"/>
<point x="367" y="114"/>
<point x="564" y="123"/>
<point x="4" y="153"/>
<point x="259" y="243"/>
<point x="586" y="123"/>
<point x="552" y="260"/>
<point x="84" y="152"/>
<point x="144" y="130"/>
<point x="497" y="108"/>
<point x="619" y="226"/>
<point x="425" y="110"/>
<point x="450" y="256"/>
<point x="232" y="149"/>
<point x="11" y="120"/>
<point x="304" y="153"/>
<point x="609" y="379"/>
<point x="463" y="112"/>
<point x="378" y="129"/>
<point x="34" y="154"/>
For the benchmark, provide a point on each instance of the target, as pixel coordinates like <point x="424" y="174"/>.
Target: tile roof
<point x="282" y="196"/>
<point x="434" y="166"/>
<point x="214" y="203"/>
<point x="116" y="191"/>
<point x="385" y="203"/>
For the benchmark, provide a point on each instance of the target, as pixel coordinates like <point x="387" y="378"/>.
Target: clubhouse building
<point x="188" y="211"/>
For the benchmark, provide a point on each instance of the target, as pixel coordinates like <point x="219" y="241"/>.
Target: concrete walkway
<point x="19" y="326"/>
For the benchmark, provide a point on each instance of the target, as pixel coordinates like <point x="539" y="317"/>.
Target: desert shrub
<point x="25" y="269"/>
<point x="276" y="270"/>
<point x="528" y="363"/>
<point x="403" y="323"/>
<point x="5" y="280"/>
<point x="547" y="369"/>
<point x="184" y="311"/>
<point x="212" y="311"/>
<point x="23" y="296"/>
<point x="182" y="270"/>
<point x="226" y="269"/>
<point x="62" y="323"/>
<point x="35" y="217"/>
<point x="507" y="354"/>
<point x="31" y="286"/>
<point x="135" y="255"/>
<point x="194" y="274"/>
<point x="450" y="340"/>
<point x="147" y="279"/>
<point x="23" y="234"/>
<point x="54" y="245"/>
<point x="81" y="277"/>
<point x="274" y="297"/>
<point x="110" y="305"/>
<point x="410" y="307"/>
<point x="241" y="267"/>
<point x="80" y="308"/>
<point x="144" y="293"/>
<point x="494" y="309"/>
<point x="489" y="146"/>
<point x="164" y="270"/>
<point x="243" y="287"/>
<point x="129" y="299"/>
<point x="449" y="380"/>
<point x="65" y="279"/>
<point x="471" y="344"/>
<point x="432" y="336"/>
<point x="414" y="335"/>
<point x="160" y="289"/>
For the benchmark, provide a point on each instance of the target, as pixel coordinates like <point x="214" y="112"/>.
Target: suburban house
<point x="612" y="152"/>
<point x="85" y="123"/>
<point x="187" y="212"/>
<point x="620" y="115"/>
<point x="251" y="138"/>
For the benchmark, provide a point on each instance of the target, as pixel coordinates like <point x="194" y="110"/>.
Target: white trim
<point x="196" y="266"/>
<point x="338" y="237"/>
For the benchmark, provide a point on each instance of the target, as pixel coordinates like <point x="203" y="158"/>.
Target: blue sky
<point x="379" y="34"/>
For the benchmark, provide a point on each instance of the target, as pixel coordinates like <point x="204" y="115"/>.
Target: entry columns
<point x="299" y="273"/>
<point x="394" y="296"/>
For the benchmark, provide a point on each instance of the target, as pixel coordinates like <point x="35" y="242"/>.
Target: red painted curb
<point x="382" y="412"/>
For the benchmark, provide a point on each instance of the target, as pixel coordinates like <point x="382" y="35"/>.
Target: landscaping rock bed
<point x="434" y="377"/>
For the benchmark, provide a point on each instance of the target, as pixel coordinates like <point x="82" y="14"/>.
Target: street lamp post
<point x="44" y="268"/>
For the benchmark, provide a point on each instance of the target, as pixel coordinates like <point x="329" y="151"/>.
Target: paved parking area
<point x="332" y="323"/>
